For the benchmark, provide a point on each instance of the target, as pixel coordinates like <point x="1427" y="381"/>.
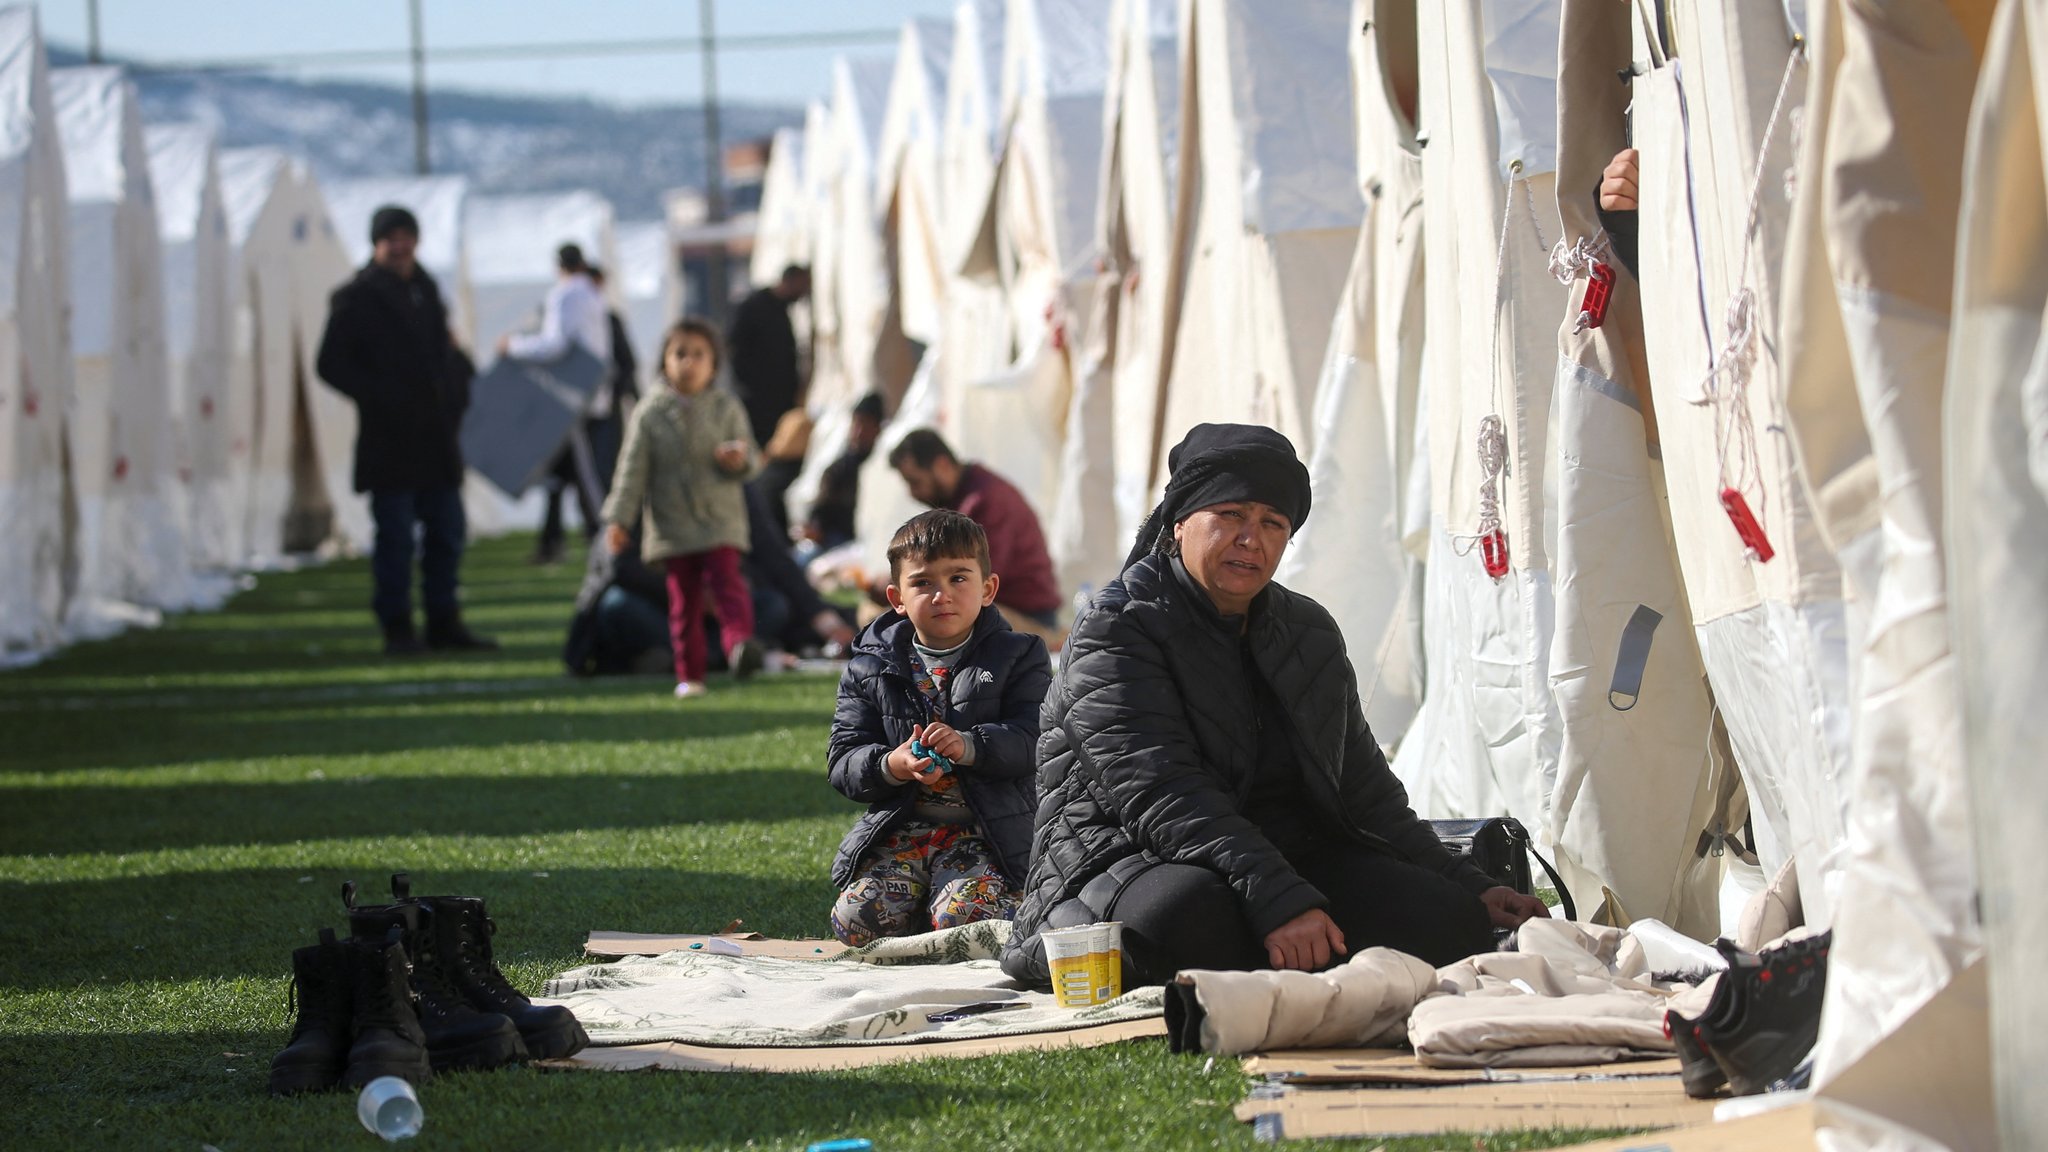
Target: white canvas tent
<point x="909" y="198"/>
<point x="1360" y="555"/>
<point x="649" y="291"/>
<point x="1486" y="739"/>
<point x="1268" y="213"/>
<point x="131" y="522"/>
<point x="1994" y="487"/>
<point x="848" y="280"/>
<point x="184" y="171"/>
<point x="1773" y="635"/>
<point x="967" y="170"/>
<point x="1035" y="245"/>
<point x="782" y="236"/>
<point x="1134" y="237"/>
<point x="291" y="433"/>
<point x="35" y="349"/>
<point x="1872" y="270"/>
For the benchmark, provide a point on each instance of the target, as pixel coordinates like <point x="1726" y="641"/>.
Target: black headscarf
<point x="1222" y="464"/>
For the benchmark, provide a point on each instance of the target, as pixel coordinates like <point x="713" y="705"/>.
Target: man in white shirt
<point x="574" y="313"/>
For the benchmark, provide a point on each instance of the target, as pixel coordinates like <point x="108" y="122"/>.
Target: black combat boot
<point x="401" y="640"/>
<point x="449" y="634"/>
<point x="317" y="1053"/>
<point x="462" y="934"/>
<point x="458" y="1036"/>
<point x="388" y="1039"/>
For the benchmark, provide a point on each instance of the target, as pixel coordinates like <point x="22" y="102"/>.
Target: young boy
<point x="947" y="835"/>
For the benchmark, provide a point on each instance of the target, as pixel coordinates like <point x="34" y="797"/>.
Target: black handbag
<point x="1500" y="847"/>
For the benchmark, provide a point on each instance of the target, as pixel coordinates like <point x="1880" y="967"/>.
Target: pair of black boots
<point x="1761" y="1023"/>
<point x="414" y="990"/>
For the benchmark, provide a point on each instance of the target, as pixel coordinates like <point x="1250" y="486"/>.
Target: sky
<point x="184" y="31"/>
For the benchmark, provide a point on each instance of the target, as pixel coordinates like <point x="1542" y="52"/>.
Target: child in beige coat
<point x="688" y="450"/>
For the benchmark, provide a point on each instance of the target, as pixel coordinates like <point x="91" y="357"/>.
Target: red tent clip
<point x="1746" y="527"/>
<point x="1493" y="549"/>
<point x="1599" y="290"/>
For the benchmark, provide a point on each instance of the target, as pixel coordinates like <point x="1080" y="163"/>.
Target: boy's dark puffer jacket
<point x="998" y="684"/>
<point x="1150" y="745"/>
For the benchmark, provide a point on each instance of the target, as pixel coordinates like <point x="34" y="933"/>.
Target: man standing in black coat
<point x="387" y="347"/>
<point x="765" y="368"/>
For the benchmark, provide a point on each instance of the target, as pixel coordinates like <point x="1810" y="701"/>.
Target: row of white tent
<point x="161" y="423"/>
<point x="1668" y="576"/>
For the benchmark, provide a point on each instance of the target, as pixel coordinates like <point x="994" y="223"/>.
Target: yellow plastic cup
<point x="1070" y="953"/>
<point x="1106" y="960"/>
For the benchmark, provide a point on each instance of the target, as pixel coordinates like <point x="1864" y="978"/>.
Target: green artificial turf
<point x="179" y="807"/>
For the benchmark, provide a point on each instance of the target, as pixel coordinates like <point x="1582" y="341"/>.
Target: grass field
<point x="178" y="809"/>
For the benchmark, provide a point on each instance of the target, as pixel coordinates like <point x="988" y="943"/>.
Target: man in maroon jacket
<point x="1028" y="596"/>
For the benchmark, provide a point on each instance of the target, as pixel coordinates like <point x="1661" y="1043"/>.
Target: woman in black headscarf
<point x="1206" y="775"/>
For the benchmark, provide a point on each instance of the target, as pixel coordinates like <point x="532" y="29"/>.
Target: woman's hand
<point x="1618" y="182"/>
<point x="1305" y="943"/>
<point x="615" y="539"/>
<point x="1510" y="908"/>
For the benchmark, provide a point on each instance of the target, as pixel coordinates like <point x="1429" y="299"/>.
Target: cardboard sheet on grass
<point x="760" y="1005"/>
<point x="1396" y="1066"/>
<point x="1295" y="1113"/>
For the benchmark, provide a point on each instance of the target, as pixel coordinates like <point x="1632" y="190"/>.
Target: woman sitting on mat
<point x="1206" y="775"/>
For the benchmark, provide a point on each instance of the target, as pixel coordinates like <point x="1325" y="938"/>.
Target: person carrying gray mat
<point x="1207" y="776"/>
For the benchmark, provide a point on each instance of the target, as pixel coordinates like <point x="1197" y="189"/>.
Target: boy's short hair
<point x="937" y="535"/>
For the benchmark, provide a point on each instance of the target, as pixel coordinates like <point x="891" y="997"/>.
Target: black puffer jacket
<point x="387" y="348"/>
<point x="1150" y="748"/>
<point x="999" y="682"/>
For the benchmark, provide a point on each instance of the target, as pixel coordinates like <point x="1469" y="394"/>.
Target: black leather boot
<point x="317" y="1053"/>
<point x="458" y="1036"/>
<point x="462" y="934"/>
<point x="449" y="634"/>
<point x="401" y="640"/>
<point x="387" y="1037"/>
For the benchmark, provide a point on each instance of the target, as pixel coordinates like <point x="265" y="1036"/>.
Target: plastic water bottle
<point x="389" y="1107"/>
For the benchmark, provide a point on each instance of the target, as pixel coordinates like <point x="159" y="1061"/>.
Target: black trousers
<point x="1179" y="916"/>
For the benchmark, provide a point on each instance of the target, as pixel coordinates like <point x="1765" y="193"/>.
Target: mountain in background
<point x="502" y="143"/>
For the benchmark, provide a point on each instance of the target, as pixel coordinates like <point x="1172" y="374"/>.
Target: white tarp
<point x="1995" y="492"/>
<point x="1268" y="214"/>
<point x="1872" y="258"/>
<point x="131" y="501"/>
<point x="285" y="262"/>
<point x="1356" y="556"/>
<point x="1486" y="740"/>
<point x="1773" y="636"/>
<point x="183" y="170"/>
<point x="648" y="288"/>
<point x="35" y="348"/>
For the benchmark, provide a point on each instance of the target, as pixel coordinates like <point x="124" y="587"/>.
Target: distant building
<point x="697" y="239"/>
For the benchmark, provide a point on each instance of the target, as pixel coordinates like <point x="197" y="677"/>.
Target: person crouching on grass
<point x="947" y="837"/>
<point x="688" y="452"/>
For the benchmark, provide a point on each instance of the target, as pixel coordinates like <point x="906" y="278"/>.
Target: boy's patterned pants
<point x="920" y="878"/>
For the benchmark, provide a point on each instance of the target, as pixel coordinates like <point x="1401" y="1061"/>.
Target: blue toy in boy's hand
<point x="922" y="751"/>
